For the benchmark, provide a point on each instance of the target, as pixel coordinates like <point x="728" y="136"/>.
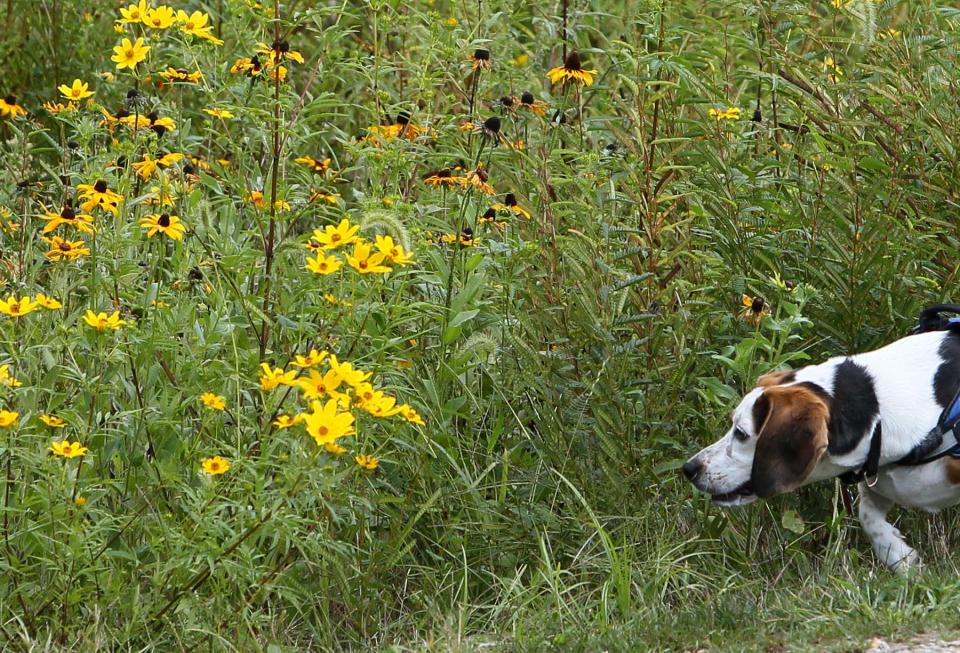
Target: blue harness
<point x="949" y="421"/>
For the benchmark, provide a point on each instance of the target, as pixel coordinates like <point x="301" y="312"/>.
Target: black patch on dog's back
<point x="947" y="378"/>
<point x="854" y="408"/>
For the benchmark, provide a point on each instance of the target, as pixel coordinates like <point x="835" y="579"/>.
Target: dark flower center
<point x="68" y="213"/>
<point x="164" y="220"/>
<point x="492" y="124"/>
<point x="65" y="247"/>
<point x="403" y="118"/>
<point x="100" y="186"/>
<point x="481" y="54"/>
<point x="526" y="98"/>
<point x="506" y="101"/>
<point x="573" y="61"/>
<point x="10" y="99"/>
<point x="510" y="199"/>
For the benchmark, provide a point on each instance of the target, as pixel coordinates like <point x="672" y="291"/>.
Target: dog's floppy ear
<point x="792" y="437"/>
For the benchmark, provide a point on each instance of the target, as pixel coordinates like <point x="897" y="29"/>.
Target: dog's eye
<point x="740" y="434"/>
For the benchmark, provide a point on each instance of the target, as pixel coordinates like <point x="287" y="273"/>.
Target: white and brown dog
<point x="821" y="421"/>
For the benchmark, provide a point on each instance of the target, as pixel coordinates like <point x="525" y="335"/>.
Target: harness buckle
<point x="871" y="481"/>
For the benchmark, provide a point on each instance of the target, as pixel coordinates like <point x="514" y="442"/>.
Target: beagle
<point x="822" y="421"/>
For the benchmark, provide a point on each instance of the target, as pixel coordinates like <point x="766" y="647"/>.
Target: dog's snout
<point x="691" y="468"/>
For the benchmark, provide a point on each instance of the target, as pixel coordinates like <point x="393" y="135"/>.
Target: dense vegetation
<point x="605" y="219"/>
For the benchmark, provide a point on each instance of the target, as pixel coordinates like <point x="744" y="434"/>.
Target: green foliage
<point x="565" y="364"/>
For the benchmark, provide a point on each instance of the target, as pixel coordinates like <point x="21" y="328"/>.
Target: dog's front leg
<point x="886" y="540"/>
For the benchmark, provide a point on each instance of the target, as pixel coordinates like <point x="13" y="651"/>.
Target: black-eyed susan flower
<point x="8" y="418"/>
<point x="332" y="237"/>
<point x="835" y="72"/>
<point x="76" y="92"/>
<point x="180" y="75"/>
<point x="147" y="167"/>
<point x="213" y="401"/>
<point x="160" y="17"/>
<point x="394" y="252"/>
<point x="364" y="262"/>
<point x="334" y="448"/>
<point x="128" y="55"/>
<point x="318" y="166"/>
<point x="530" y="103"/>
<point x="164" y="223"/>
<point x="316" y="386"/>
<point x="728" y="113"/>
<point x="99" y="194"/>
<point x="67" y="216"/>
<point x="65" y="250"/>
<point x="889" y="33"/>
<point x="490" y="128"/>
<point x="101" y="321"/>
<point x="313" y="358"/>
<point x="17" y="307"/>
<point x="481" y="59"/>
<point x="272" y="378"/>
<point x="328" y="198"/>
<point x="368" y="463"/>
<point x="134" y="14"/>
<point x="448" y="177"/>
<point x="754" y="309"/>
<point x="223" y="114"/>
<point x="195" y="24"/>
<point x="10" y="109"/>
<point x="49" y="303"/>
<point x="345" y="370"/>
<point x="215" y="465"/>
<point x="169" y="159"/>
<point x="53" y="421"/>
<point x="67" y="449"/>
<point x="477" y="178"/>
<point x="330" y="298"/>
<point x="324" y="264"/>
<point x="286" y="421"/>
<point x="7" y="225"/>
<point x="325" y="423"/>
<point x="250" y="66"/>
<point x="411" y="415"/>
<point x="278" y="51"/>
<point x="7" y="379"/>
<point x="59" y="107"/>
<point x="571" y="70"/>
<point x="465" y="238"/>
<point x="510" y="205"/>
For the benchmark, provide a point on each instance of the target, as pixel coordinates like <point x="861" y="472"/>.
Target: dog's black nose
<point x="691" y="469"/>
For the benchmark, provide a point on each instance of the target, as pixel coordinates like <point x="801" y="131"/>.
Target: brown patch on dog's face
<point x="791" y="440"/>
<point x="953" y="471"/>
<point x="775" y="378"/>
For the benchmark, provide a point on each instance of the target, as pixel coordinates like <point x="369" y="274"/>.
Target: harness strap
<point x="871" y="465"/>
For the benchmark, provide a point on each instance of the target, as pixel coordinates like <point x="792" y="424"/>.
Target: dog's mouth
<point x="739" y="497"/>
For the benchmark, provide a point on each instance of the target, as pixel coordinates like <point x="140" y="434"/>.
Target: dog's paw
<point x="908" y="564"/>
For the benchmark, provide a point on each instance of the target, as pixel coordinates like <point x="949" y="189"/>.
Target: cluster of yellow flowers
<point x="363" y="259"/>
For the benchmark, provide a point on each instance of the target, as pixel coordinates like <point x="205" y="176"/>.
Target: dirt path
<point x="916" y="645"/>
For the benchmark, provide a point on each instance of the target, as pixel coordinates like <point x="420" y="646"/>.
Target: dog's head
<point x="777" y="437"/>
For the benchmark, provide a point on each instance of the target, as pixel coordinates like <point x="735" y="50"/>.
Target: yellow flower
<point x="78" y="91"/>
<point x="393" y="251"/>
<point x="100" y="321"/>
<point x="17" y="307"/>
<point x="160" y="18"/>
<point x="313" y="358"/>
<point x="80" y="501"/>
<point x="223" y="114"/>
<point x="98" y="194"/>
<point x="67" y="449"/>
<point x="320" y="196"/>
<point x="334" y="448"/>
<point x="363" y="262"/>
<point x="367" y="462"/>
<point x="411" y="415"/>
<point x="316" y="165"/>
<point x="572" y="70"/>
<point x="889" y="33"/>
<point x="128" y="55"/>
<point x="53" y="421"/>
<point x="166" y="224"/>
<point x="730" y="113"/>
<point x="520" y="59"/>
<point x="10" y="109"/>
<point x="181" y="75"/>
<point x="316" y="386"/>
<point x="346" y="371"/>
<point x="134" y="13"/>
<point x="147" y="167"/>
<point x="324" y="264"/>
<point x="59" y="107"/>
<point x="67" y="216"/>
<point x="272" y="378"/>
<point x="278" y="51"/>
<point x="755" y="309"/>
<point x="213" y="401"/>
<point x="48" y="303"/>
<point x="215" y="465"/>
<point x="8" y="418"/>
<point x="169" y="159"/>
<point x="65" y="250"/>
<point x="333" y="237"/>
<point x="8" y="380"/>
<point x="834" y="69"/>
<point x="195" y="24"/>
<point x="285" y="421"/>
<point x="326" y="424"/>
